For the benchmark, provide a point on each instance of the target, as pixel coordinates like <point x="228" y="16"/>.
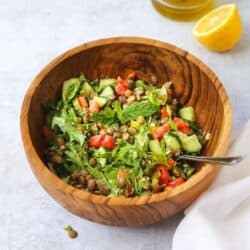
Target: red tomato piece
<point x="120" y="89"/>
<point x="122" y="81"/>
<point x="164" y="174"/>
<point x="95" y="141"/>
<point x="93" y="107"/>
<point x="164" y="114"/>
<point x="82" y="101"/>
<point x="176" y="182"/>
<point x="108" y="142"/>
<point x="160" y="131"/>
<point x="182" y="125"/>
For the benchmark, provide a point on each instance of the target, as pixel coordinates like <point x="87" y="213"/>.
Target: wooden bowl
<point x="194" y="84"/>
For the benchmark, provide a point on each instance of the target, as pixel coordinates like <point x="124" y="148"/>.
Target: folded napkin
<point x="220" y="218"/>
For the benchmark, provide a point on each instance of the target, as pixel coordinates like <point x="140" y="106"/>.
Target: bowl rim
<point x="37" y="164"/>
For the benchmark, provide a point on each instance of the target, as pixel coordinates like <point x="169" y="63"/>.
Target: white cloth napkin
<point x="220" y="218"/>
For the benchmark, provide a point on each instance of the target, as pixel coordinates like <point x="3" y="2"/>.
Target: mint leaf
<point x="107" y="116"/>
<point x="136" y="109"/>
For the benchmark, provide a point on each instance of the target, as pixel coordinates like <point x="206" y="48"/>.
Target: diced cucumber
<point x="101" y="100"/>
<point x="172" y="142"/>
<point x="155" y="148"/>
<point x="187" y="113"/>
<point x="70" y="88"/>
<point x="190" y="144"/>
<point x="86" y="89"/>
<point x="108" y="92"/>
<point x="107" y="82"/>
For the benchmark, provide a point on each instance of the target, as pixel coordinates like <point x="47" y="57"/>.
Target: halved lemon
<point x="220" y="29"/>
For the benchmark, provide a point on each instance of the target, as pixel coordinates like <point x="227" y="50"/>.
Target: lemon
<point x="220" y="29"/>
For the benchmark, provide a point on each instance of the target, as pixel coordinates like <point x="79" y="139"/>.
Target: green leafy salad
<point x="120" y="137"/>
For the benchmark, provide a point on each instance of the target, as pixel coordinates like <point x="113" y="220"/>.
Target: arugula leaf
<point x="136" y="109"/>
<point x="107" y="116"/>
<point x="111" y="175"/>
<point x="96" y="173"/>
<point x="68" y="113"/>
<point x="141" y="140"/>
<point x="67" y="128"/>
<point x="70" y="88"/>
<point x="135" y="175"/>
<point x="77" y="155"/>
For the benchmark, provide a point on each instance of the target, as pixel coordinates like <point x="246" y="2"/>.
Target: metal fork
<point x="228" y="160"/>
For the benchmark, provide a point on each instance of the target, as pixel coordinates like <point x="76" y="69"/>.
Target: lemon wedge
<point x="220" y="29"/>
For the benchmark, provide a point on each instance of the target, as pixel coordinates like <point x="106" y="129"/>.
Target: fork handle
<point x="230" y="160"/>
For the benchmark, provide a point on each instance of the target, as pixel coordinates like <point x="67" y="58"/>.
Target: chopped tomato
<point x="164" y="114"/>
<point x="121" y="87"/>
<point x="182" y="125"/>
<point x="122" y="81"/>
<point x="164" y="174"/>
<point x="108" y="142"/>
<point x="160" y="131"/>
<point x="47" y="132"/>
<point x="131" y="76"/>
<point x="82" y="101"/>
<point x="176" y="182"/>
<point x="93" y="107"/>
<point x="95" y="141"/>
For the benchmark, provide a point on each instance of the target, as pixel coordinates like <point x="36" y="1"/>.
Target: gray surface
<point x="34" y="32"/>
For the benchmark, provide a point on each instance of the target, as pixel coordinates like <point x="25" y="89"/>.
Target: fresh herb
<point x="68" y="228"/>
<point x="136" y="109"/>
<point x="107" y="116"/>
<point x="68" y="129"/>
<point x="76" y="156"/>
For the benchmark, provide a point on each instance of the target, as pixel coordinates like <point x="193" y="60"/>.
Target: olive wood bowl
<point x="193" y="84"/>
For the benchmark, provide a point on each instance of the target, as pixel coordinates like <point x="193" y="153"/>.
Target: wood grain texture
<point x="194" y="84"/>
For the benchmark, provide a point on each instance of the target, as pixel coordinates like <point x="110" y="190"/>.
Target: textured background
<point x="33" y="33"/>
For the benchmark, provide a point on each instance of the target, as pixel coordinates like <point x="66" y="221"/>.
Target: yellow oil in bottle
<point x="183" y="10"/>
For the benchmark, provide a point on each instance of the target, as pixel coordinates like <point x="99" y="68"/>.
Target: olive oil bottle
<point x="183" y="10"/>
